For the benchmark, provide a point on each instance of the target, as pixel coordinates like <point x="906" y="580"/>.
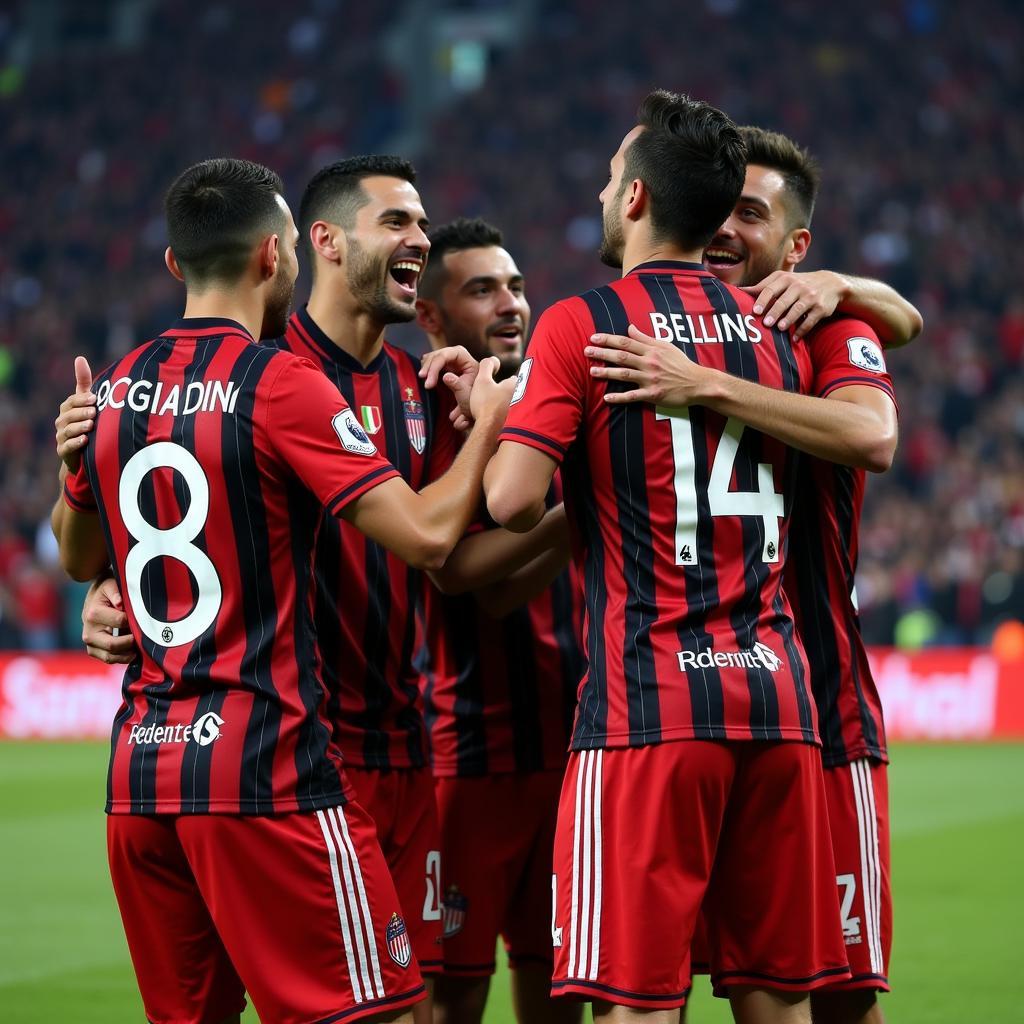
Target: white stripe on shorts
<point x="871" y="874"/>
<point x="341" y="897"/>
<point x="585" y="922"/>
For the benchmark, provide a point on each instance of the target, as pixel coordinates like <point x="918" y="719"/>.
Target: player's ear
<point x="269" y="256"/>
<point x="172" y="264"/>
<point x="636" y="199"/>
<point x="328" y="241"/>
<point x="428" y="316"/>
<point x="799" y="243"/>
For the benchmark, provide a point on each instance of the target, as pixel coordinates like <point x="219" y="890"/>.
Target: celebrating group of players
<point x="334" y="783"/>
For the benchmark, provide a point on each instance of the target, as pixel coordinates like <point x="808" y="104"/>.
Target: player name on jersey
<point x="151" y="396"/>
<point x="705" y="328"/>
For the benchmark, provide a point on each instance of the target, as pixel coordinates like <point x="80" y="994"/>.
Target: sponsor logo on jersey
<point x="453" y="909"/>
<point x="758" y="656"/>
<point x="866" y="354"/>
<point x="351" y="435"/>
<point x="397" y="938"/>
<point x="522" y="379"/>
<point x="204" y="730"/>
<point x="415" y="422"/>
<point x="370" y="415"/>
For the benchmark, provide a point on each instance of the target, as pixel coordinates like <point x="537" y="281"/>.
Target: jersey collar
<point x="672" y="265"/>
<point x="203" y="324"/>
<point x="323" y="344"/>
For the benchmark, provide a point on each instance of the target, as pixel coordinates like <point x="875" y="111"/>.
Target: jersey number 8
<point x="176" y="543"/>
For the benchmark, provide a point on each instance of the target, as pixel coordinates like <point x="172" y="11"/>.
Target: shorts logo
<point x="453" y="909"/>
<point x="398" y="941"/>
<point x="203" y="731"/>
<point x="866" y="354"/>
<point x="522" y="379"/>
<point x="351" y="435"/>
<point x="415" y="422"/>
<point x="758" y="656"/>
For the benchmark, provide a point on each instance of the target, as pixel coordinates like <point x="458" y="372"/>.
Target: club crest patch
<point x="415" y="422"/>
<point x="866" y="354"/>
<point x="351" y="434"/>
<point x="454" y="907"/>
<point x="397" y="938"/>
<point x="522" y="380"/>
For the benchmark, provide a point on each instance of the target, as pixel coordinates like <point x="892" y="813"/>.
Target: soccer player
<point x="695" y="774"/>
<point x="502" y="665"/>
<point x="768" y="232"/>
<point x="239" y="857"/>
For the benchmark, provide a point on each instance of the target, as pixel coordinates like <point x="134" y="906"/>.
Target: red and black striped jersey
<point x="680" y="518"/>
<point x="823" y="545"/>
<point x="500" y="693"/>
<point x="366" y="596"/>
<point x="210" y="464"/>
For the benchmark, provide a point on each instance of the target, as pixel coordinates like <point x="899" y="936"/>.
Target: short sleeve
<point x="846" y="352"/>
<point x="318" y="436"/>
<point x="78" y="494"/>
<point x="547" y="407"/>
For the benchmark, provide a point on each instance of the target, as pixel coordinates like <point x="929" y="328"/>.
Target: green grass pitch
<point x="958" y="832"/>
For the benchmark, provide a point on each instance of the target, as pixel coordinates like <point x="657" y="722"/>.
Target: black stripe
<point x="668" y="997"/>
<point x="846" y="520"/>
<point x="523" y="690"/>
<point x="745" y="614"/>
<point x="807" y="565"/>
<point x="343" y="496"/>
<point x="707" y="699"/>
<point x="133" y="428"/>
<point x="460" y="618"/>
<point x="243" y="482"/>
<point x="197" y="760"/>
<point x="831" y="972"/>
<point x="626" y="425"/>
<point x="542" y="438"/>
<point x="570" y="652"/>
<point x="867" y="382"/>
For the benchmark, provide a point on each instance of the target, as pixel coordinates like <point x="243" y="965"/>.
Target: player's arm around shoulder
<point x="545" y="415"/>
<point x="423" y="528"/>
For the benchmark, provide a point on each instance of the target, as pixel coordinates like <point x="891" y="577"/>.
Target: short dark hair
<point x="692" y="162"/>
<point x="335" y="193"/>
<point x="456" y="236"/>
<point x="798" y="168"/>
<point x="216" y="212"/>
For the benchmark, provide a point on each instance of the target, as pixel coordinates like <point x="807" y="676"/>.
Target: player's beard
<point x="279" y="306"/>
<point x="477" y="347"/>
<point x="613" y="241"/>
<point x="761" y="264"/>
<point x="368" y="282"/>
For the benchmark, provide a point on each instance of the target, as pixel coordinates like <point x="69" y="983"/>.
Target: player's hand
<point x="490" y="398"/>
<point x="102" y="613"/>
<point x="798" y="301"/>
<point x="77" y="417"/>
<point x="458" y="370"/>
<point x="662" y="374"/>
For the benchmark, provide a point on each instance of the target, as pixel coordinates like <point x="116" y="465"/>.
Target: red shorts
<point x="858" y="811"/>
<point x="497" y="834"/>
<point x="297" y="910"/>
<point x="646" y="835"/>
<point x="401" y="803"/>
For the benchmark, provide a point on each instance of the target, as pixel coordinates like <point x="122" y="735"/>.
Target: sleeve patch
<point x="866" y="354"/>
<point x="521" y="381"/>
<point x="351" y="434"/>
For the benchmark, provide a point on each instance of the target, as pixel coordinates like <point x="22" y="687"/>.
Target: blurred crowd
<point x="912" y="107"/>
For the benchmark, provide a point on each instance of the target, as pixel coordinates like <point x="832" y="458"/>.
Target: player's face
<point x="613" y="238"/>
<point x="386" y="249"/>
<point x="483" y="305"/>
<point x="279" y="300"/>
<point x="753" y="241"/>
